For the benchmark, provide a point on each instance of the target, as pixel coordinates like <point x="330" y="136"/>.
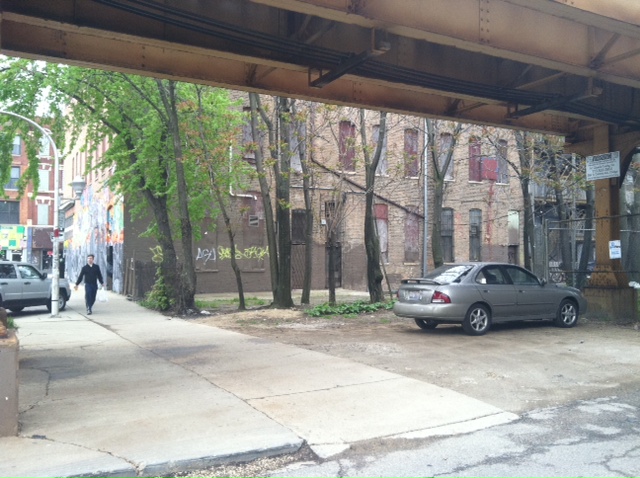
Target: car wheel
<point x="16" y="309"/>
<point x="477" y="321"/>
<point x="567" y="315"/>
<point x="426" y="324"/>
<point x="62" y="302"/>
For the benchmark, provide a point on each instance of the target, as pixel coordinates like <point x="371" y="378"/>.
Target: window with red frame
<point x="347" y="145"/>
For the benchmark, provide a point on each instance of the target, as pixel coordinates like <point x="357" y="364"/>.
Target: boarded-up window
<point x="475" y="159"/>
<point x="412" y="236"/>
<point x="381" y="212"/>
<point x="475" y="235"/>
<point x="411" y="168"/>
<point x="446" y="234"/>
<point x="489" y="168"/>
<point x="347" y="145"/>
<point x="444" y="152"/>
<point x="503" y="166"/>
<point x="298" y="226"/>
<point x="382" y="168"/>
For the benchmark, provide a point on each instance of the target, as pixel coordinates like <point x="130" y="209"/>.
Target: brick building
<point x="480" y="219"/>
<point x="26" y="223"/>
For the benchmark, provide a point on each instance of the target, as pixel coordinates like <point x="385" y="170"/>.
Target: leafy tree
<point x="212" y="120"/>
<point x="142" y="120"/>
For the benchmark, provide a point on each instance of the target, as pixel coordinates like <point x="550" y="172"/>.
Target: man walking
<point x="92" y="275"/>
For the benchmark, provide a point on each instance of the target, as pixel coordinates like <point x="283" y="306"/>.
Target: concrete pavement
<point x="127" y="391"/>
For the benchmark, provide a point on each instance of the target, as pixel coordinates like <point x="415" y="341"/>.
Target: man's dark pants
<point x="90" y="291"/>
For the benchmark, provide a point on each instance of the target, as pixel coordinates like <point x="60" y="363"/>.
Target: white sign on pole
<point x="603" y="166"/>
<point x="615" y="250"/>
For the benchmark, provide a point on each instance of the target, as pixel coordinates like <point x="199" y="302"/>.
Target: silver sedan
<point x="478" y="294"/>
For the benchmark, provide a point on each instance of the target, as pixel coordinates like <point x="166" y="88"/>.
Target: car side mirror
<point x="543" y="282"/>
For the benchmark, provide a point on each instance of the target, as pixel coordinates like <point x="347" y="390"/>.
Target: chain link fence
<point x="566" y="250"/>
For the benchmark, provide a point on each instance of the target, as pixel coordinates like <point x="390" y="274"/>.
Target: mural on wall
<point x="98" y="229"/>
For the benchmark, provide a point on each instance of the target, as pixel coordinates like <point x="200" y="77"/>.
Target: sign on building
<point x="603" y="166"/>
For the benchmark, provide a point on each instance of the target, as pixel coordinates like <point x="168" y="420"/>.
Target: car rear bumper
<point x="413" y="310"/>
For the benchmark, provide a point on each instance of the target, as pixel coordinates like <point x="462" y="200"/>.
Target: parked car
<point x="22" y="285"/>
<point x="479" y="294"/>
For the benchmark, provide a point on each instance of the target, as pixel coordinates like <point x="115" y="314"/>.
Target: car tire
<point x="567" y="315"/>
<point x="477" y="321"/>
<point x="426" y="324"/>
<point x="62" y="302"/>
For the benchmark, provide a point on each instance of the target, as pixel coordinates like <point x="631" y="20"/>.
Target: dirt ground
<point x="516" y="367"/>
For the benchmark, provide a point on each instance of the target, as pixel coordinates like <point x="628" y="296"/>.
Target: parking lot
<point x="517" y="367"/>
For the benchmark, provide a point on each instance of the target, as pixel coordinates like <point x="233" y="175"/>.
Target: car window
<point x="522" y="277"/>
<point x="490" y="275"/>
<point x="448" y="274"/>
<point x="28" y="272"/>
<point x="7" y="271"/>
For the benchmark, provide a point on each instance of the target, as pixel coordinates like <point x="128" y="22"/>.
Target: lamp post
<point x="55" y="280"/>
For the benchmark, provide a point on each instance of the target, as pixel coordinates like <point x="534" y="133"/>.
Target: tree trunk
<point x="283" y="210"/>
<point x="587" y="239"/>
<point x="563" y="216"/>
<point x="188" y="276"/>
<point x="232" y="245"/>
<point x="371" y="239"/>
<point x="525" y="157"/>
<point x="254" y="101"/>
<point x="308" y="233"/>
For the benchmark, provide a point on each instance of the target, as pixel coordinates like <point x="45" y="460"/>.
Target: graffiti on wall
<point x="222" y="253"/>
<point x="98" y="229"/>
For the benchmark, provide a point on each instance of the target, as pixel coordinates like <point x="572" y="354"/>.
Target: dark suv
<point x="22" y="285"/>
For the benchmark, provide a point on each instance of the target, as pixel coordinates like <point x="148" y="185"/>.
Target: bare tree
<point x="371" y="240"/>
<point x="441" y="156"/>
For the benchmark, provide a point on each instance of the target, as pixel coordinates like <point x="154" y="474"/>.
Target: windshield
<point x="448" y="274"/>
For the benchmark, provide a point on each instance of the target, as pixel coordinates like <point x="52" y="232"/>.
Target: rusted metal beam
<point x="25" y="36"/>
<point x="545" y="33"/>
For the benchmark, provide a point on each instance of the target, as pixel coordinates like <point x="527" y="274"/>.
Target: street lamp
<point x="55" y="272"/>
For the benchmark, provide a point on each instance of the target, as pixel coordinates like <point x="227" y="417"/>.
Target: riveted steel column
<point x="608" y="272"/>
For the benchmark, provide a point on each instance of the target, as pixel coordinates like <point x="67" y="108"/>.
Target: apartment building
<point x="26" y="223"/>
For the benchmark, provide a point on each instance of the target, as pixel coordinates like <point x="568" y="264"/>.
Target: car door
<point x="34" y="287"/>
<point x="496" y="290"/>
<point x="10" y="284"/>
<point x="534" y="301"/>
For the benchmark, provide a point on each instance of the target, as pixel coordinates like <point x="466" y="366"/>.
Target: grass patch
<point x="351" y="309"/>
<point x="219" y="303"/>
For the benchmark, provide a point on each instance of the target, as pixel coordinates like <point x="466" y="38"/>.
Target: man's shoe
<point x="88" y="311"/>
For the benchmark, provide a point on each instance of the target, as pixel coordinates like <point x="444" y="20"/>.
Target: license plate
<point x="414" y="295"/>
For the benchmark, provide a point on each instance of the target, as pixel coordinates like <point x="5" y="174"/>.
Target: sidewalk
<point x="128" y="392"/>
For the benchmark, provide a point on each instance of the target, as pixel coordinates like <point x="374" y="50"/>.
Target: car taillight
<point x="440" y="298"/>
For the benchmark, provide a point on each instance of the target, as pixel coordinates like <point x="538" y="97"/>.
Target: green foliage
<point x="352" y="308"/>
<point x="158" y="298"/>
<point x="10" y="323"/>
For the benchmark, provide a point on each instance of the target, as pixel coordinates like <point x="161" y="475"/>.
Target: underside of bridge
<point x="565" y="67"/>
